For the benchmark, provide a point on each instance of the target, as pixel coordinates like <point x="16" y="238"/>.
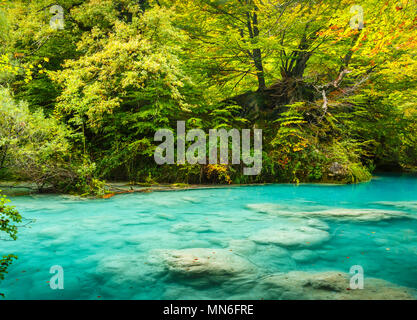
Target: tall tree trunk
<point x="3" y="153"/>
<point x="296" y="63"/>
<point x="256" y="54"/>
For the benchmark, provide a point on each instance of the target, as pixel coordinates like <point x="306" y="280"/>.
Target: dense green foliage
<point x="334" y="102"/>
<point x="9" y="217"/>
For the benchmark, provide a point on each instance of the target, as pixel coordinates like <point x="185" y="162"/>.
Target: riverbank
<point x="13" y="188"/>
<point x="22" y="188"/>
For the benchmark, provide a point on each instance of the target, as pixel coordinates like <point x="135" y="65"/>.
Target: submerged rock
<point x="193" y="227"/>
<point x="265" y="207"/>
<point x="165" y="216"/>
<point x="304" y="256"/>
<point x="191" y="199"/>
<point x="126" y="269"/>
<point x="408" y="205"/>
<point x="342" y="214"/>
<point x="291" y="236"/>
<point x="360" y="215"/>
<point x="311" y="222"/>
<point x="297" y="285"/>
<point x="205" y="265"/>
<point x="52" y="232"/>
<point x="275" y="258"/>
<point x="242" y="246"/>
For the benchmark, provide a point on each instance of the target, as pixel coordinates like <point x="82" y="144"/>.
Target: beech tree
<point x="331" y="83"/>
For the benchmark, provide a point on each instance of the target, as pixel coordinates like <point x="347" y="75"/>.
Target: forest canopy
<point x="331" y="83"/>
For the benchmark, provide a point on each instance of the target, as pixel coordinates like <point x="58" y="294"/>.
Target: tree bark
<point x="256" y="54"/>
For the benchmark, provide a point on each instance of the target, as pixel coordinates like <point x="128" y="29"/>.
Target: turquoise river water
<point x="217" y="243"/>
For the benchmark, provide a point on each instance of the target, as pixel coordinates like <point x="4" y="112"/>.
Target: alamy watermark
<point x="57" y="280"/>
<point x="357" y="21"/>
<point x="357" y="279"/>
<point x="197" y="151"/>
<point x="57" y="21"/>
